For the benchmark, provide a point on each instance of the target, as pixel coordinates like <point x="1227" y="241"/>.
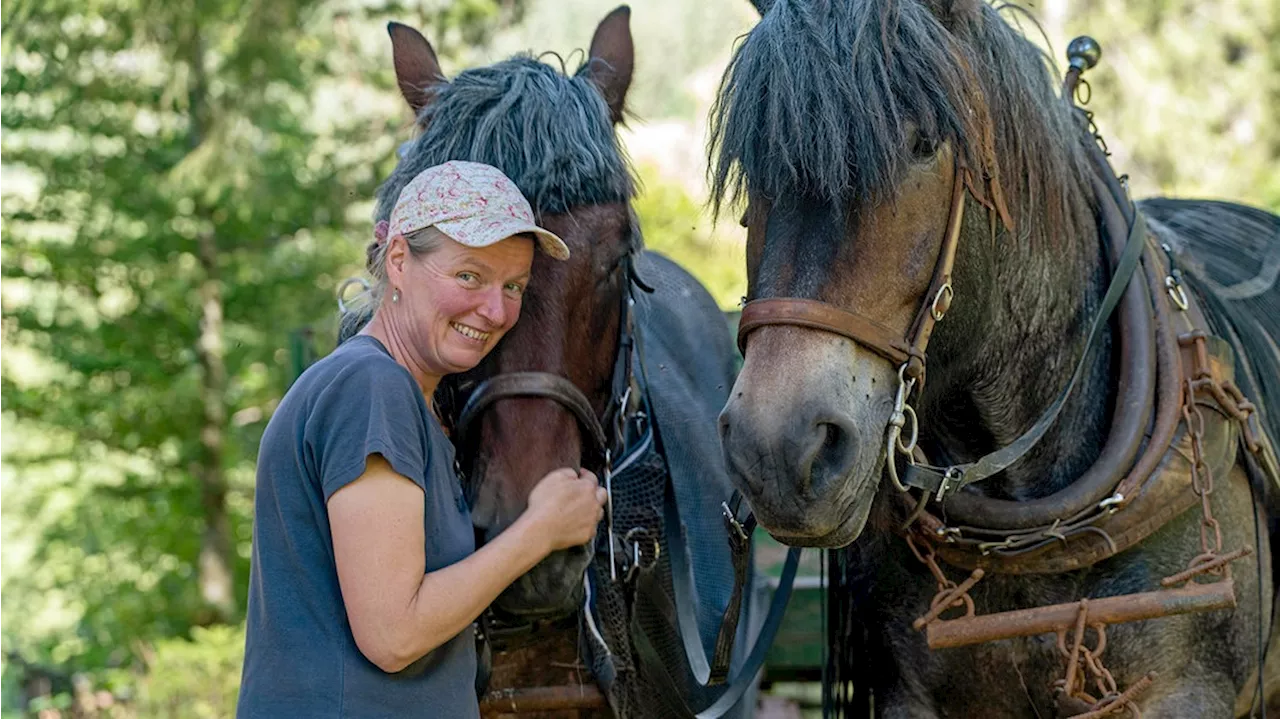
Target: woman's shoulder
<point x="358" y="377"/>
<point x="360" y="361"/>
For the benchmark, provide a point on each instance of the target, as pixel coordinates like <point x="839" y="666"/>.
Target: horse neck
<point x="1005" y="352"/>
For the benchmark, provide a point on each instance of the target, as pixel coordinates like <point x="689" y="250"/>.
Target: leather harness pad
<point x="1151" y="502"/>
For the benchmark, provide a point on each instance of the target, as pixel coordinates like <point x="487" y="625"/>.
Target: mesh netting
<point x="687" y="362"/>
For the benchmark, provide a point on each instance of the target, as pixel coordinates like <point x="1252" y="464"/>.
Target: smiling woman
<point x="365" y="577"/>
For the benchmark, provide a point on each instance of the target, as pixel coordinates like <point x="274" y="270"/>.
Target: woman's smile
<point x="470" y="333"/>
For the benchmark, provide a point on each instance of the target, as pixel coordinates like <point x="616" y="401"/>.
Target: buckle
<point x="951" y="476"/>
<point x="737" y="532"/>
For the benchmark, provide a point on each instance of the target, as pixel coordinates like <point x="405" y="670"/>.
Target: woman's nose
<point x="494" y="308"/>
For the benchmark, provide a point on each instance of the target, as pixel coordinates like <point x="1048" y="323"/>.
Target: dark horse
<point x="856" y="132"/>
<point x="614" y="345"/>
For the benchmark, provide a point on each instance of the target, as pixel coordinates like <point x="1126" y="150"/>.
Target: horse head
<point x="884" y="150"/>
<point x="552" y="134"/>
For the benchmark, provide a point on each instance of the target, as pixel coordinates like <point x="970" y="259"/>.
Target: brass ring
<point x="934" y="310"/>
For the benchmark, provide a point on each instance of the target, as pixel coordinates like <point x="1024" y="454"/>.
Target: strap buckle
<point x="950" y="478"/>
<point x="739" y="529"/>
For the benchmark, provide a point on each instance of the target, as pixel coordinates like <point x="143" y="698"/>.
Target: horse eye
<point x="923" y="147"/>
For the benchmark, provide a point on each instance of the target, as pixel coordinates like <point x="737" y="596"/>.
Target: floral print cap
<point x="473" y="203"/>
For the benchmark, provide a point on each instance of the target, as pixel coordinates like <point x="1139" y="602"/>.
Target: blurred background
<point x="185" y="182"/>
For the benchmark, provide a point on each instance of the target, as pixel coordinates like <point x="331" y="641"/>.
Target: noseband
<point x="905" y="349"/>
<point x="545" y="385"/>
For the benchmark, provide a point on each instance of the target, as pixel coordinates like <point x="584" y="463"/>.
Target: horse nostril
<point x="832" y="455"/>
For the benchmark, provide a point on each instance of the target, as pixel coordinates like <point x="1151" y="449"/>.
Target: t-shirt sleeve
<point x="375" y="408"/>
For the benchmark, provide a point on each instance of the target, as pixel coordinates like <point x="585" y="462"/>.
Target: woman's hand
<point x="565" y="508"/>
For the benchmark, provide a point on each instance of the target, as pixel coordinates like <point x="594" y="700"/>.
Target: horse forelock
<point x="817" y="100"/>
<point x="548" y="131"/>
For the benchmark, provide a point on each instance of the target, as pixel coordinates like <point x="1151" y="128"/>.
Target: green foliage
<point x="680" y="46"/>
<point x="200" y="677"/>
<point x="182" y="184"/>
<point x="1187" y="94"/>
<point x="675" y="225"/>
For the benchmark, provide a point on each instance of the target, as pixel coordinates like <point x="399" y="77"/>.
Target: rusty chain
<point x="949" y="595"/>
<point x="1083" y="664"/>
<point x="1234" y="405"/>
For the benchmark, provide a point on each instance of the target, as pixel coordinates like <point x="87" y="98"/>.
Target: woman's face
<point x="458" y="301"/>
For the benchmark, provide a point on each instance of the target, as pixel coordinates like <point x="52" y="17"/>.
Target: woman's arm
<point x="397" y="613"/>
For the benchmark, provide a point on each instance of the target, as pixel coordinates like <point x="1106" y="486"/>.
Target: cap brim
<point x="477" y="232"/>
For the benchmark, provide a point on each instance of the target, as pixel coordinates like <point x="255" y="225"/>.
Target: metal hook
<point x="897" y="420"/>
<point x="342" y="291"/>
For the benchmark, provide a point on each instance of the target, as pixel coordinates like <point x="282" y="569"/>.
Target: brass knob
<point x="1083" y="53"/>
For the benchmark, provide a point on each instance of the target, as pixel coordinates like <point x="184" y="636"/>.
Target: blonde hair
<point x="357" y="311"/>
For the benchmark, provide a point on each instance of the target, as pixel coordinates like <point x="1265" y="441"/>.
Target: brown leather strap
<point x="533" y="384"/>
<point x="828" y="318"/>
<point x="937" y="300"/>
<point x="907" y="348"/>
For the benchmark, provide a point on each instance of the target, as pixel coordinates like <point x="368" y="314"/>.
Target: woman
<point x="365" y="577"/>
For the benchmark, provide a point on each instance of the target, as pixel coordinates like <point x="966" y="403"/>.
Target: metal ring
<point x="342" y="291"/>
<point x="907" y="448"/>
<point x="1176" y="293"/>
<point x="891" y="464"/>
<point x="642" y="533"/>
<point x="950" y="294"/>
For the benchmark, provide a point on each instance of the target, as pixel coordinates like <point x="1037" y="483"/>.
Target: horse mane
<point x="548" y="131"/>
<point x="817" y="99"/>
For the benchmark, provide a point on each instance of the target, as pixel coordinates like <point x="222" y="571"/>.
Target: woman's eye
<point x="515" y="289"/>
<point x="470" y="279"/>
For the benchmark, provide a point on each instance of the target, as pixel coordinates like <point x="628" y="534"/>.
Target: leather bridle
<point x="604" y="446"/>
<point x="901" y="348"/>
<point x="907" y="352"/>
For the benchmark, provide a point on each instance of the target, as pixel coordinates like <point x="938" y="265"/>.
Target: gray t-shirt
<point x="301" y="659"/>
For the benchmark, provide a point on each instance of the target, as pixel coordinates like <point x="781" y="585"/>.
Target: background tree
<point x="183" y="185"/>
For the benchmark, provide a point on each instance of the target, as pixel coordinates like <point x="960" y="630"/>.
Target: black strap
<point x="737" y="685"/>
<point x="740" y="549"/>
<point x="943" y="481"/>
<point x="685" y="624"/>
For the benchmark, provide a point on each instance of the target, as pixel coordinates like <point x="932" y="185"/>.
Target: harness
<point x="1178" y="422"/>
<point x="640" y="591"/>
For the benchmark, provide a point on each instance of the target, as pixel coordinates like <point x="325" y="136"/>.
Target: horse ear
<point x="612" y="58"/>
<point x="417" y="68"/>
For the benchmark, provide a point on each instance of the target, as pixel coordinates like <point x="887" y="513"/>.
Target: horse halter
<point x="604" y="445"/>
<point x="906" y="351"/>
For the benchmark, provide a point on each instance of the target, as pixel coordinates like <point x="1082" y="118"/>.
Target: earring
<point x="395" y="295"/>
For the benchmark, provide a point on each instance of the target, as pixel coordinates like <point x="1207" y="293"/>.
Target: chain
<point x="1084" y="664"/>
<point x="949" y="595"/>
<point x="1201" y="477"/>
<point x="1228" y="397"/>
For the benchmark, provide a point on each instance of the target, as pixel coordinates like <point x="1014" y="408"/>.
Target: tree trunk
<point x="216" y="575"/>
